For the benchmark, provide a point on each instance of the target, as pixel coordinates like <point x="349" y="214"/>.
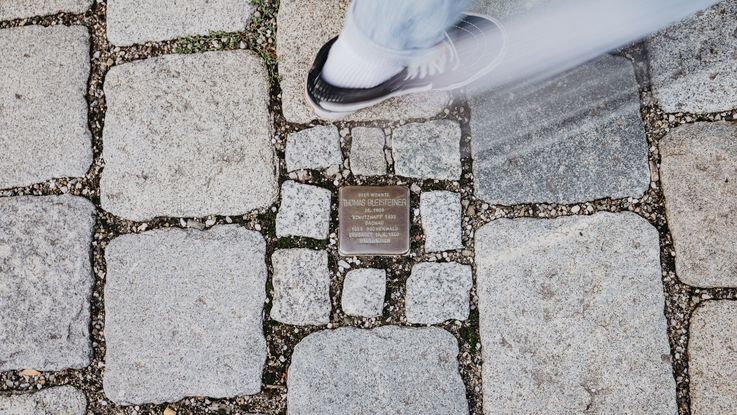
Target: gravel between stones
<point x="379" y="371"/>
<point x="43" y="112"/>
<point x="178" y="327"/>
<point x="186" y="135"/>
<point x="46" y="282"/>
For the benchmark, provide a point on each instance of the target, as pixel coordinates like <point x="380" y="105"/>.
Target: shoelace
<point x="436" y="61"/>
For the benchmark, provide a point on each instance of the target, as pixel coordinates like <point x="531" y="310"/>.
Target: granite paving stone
<point x="356" y="371"/>
<point x="429" y="150"/>
<point x="304" y="27"/>
<point x="571" y="316"/>
<point x="138" y="21"/>
<point x="441" y="220"/>
<point x="699" y="178"/>
<point x="712" y="358"/>
<point x="61" y="400"/>
<point x="574" y="138"/>
<point x="304" y="211"/>
<point x="367" y="151"/>
<point x="363" y="292"/>
<point x="314" y="148"/>
<point x="693" y="64"/>
<point x="17" y="9"/>
<point x="188" y="135"/>
<point x="46" y="285"/>
<point x="178" y="327"/>
<point x="301" y="287"/>
<point x="437" y="292"/>
<point x="43" y="112"/>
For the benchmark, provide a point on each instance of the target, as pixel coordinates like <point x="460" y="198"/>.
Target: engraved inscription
<point x="374" y="220"/>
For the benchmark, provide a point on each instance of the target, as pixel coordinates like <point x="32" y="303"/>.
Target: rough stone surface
<point x="62" y="400"/>
<point x="188" y="135"/>
<point x="355" y="371"/>
<point x="175" y="327"/>
<point x="46" y="282"/>
<point x="437" y="292"/>
<point x="43" y="112"/>
<point x="314" y="148"/>
<point x="367" y="152"/>
<point x="429" y="150"/>
<point x="363" y="292"/>
<point x="693" y="64"/>
<point x="16" y="9"/>
<point x="571" y="316"/>
<point x="699" y="176"/>
<point x="301" y="287"/>
<point x="138" y="21"/>
<point x="574" y="138"/>
<point x="509" y="9"/>
<point x="304" y="211"/>
<point x="712" y="358"/>
<point x="441" y="220"/>
<point x="304" y="27"/>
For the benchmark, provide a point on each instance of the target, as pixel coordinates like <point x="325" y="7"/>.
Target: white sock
<point x="346" y="68"/>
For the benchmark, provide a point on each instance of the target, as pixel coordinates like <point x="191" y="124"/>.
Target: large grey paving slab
<point x="43" y="112"/>
<point x="699" y="177"/>
<point x="138" y="21"/>
<point x="693" y="64"/>
<point x="188" y="135"/>
<point x="428" y="150"/>
<point x="573" y="138"/>
<point x="571" y="316"/>
<point x="301" y="283"/>
<point x="368" y="157"/>
<point x="441" y="220"/>
<point x="314" y="148"/>
<point x="183" y="314"/>
<point x="304" y="27"/>
<point x="437" y="292"/>
<point x="17" y="9"/>
<point x="45" y="282"/>
<point x="712" y="358"/>
<point x="413" y="371"/>
<point x="62" y="400"/>
<point x="304" y="211"/>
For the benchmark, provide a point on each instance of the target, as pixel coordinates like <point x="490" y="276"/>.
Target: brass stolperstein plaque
<point x="373" y="220"/>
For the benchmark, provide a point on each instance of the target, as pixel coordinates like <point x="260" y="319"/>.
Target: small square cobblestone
<point x="304" y="211"/>
<point x="301" y="287"/>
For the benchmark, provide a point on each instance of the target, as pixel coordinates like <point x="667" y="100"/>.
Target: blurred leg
<point x="380" y="37"/>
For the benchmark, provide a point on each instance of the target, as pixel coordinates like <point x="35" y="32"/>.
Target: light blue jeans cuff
<point x="399" y="30"/>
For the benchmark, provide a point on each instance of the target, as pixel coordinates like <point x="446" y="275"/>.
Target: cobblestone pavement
<point x="168" y="222"/>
